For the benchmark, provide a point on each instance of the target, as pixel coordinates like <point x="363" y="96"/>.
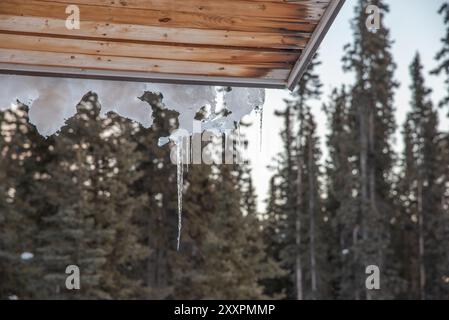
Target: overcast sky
<point x="414" y="26"/>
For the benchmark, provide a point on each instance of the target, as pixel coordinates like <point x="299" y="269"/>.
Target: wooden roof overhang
<point x="252" y="43"/>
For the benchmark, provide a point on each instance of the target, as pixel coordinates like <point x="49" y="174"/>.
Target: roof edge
<point x="312" y="46"/>
<point x="138" y="76"/>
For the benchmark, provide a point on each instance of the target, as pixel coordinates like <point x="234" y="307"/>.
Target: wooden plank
<point x="169" y="19"/>
<point x="305" y="2"/>
<point x="149" y="51"/>
<point x="11" y="56"/>
<point x="217" y="8"/>
<point x="134" y="32"/>
<point x="136" y="76"/>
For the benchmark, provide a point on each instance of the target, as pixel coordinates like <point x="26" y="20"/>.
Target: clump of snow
<point x="241" y="101"/>
<point x="14" y="88"/>
<point x="123" y="99"/>
<point x="55" y="103"/>
<point x="186" y="100"/>
<point x="53" y="100"/>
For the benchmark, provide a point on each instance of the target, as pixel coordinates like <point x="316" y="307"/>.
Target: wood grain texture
<point x="283" y="59"/>
<point x="260" y="39"/>
<point x="138" y="64"/>
<point x="248" y="8"/>
<point x="126" y="32"/>
<point x="169" y="19"/>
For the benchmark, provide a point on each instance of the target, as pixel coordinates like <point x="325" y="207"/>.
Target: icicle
<point x="180" y="178"/>
<point x="188" y="154"/>
<point x="239" y="140"/>
<point x="260" y="128"/>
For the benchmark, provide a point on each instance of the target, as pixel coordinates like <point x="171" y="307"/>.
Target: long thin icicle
<point x="239" y="138"/>
<point x="180" y="182"/>
<point x="260" y="128"/>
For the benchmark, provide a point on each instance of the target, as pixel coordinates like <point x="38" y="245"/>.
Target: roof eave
<point x="315" y="41"/>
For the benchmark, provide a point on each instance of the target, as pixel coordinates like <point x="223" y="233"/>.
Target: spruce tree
<point x="22" y="152"/>
<point x="311" y="209"/>
<point x="88" y="222"/>
<point x="297" y="213"/>
<point x="341" y="204"/>
<point x="424" y="191"/>
<point x="443" y="55"/>
<point x="372" y="109"/>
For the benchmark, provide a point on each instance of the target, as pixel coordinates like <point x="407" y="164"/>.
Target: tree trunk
<point x="373" y="214"/>
<point x="298" y="264"/>
<point x="298" y="204"/>
<point x="311" y="173"/>
<point x="422" y="273"/>
<point x="363" y="185"/>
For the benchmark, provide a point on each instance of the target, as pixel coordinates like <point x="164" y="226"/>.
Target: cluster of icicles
<point x="181" y="154"/>
<point x="53" y="100"/>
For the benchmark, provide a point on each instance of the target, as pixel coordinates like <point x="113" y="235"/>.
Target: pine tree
<point x="297" y="214"/>
<point x="424" y="191"/>
<point x="226" y="269"/>
<point x="114" y="185"/>
<point x="286" y="240"/>
<point x="232" y="268"/>
<point x="443" y="143"/>
<point x="88" y="222"/>
<point x="306" y="184"/>
<point x="272" y="234"/>
<point x="9" y="217"/>
<point x="311" y="207"/>
<point x="372" y="110"/>
<point x="22" y="151"/>
<point x="158" y="222"/>
<point x="341" y="204"/>
<point x="191" y="277"/>
<point x="263" y="266"/>
<point x="199" y="203"/>
<point x="443" y="55"/>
